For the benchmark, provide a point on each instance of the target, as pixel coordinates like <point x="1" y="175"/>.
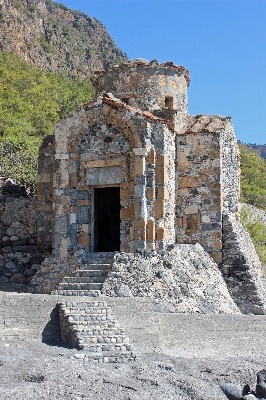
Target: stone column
<point x="140" y="205"/>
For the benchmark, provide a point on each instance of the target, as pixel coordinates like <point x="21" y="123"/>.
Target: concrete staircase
<point x="90" y="326"/>
<point x="88" y="279"/>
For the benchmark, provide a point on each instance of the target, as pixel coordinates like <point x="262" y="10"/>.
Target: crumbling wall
<point x="150" y="86"/>
<point x="183" y="278"/>
<point x="19" y="254"/>
<point x="230" y="170"/>
<point x="52" y="271"/>
<point x="241" y="267"/>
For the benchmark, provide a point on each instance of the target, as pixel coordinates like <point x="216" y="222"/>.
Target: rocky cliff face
<point x="55" y="38"/>
<point x="261" y="148"/>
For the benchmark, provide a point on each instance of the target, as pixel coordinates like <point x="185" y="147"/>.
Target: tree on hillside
<point x="253" y="178"/>
<point x="31" y="101"/>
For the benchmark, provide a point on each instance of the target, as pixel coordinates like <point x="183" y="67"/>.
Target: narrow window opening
<point x="169" y="102"/>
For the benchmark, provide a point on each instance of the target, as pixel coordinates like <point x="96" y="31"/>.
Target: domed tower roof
<point x="150" y="86"/>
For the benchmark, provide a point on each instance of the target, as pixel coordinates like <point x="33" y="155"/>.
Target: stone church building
<point x="131" y="170"/>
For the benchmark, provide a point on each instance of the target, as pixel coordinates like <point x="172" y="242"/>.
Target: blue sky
<point x="221" y="42"/>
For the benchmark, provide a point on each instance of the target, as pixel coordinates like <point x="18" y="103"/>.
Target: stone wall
<point x="198" y="175"/>
<point x="241" y="267"/>
<point x="149" y="86"/>
<point x="230" y="168"/>
<point x="52" y="271"/>
<point x="182" y="279"/>
<point x="19" y="254"/>
<point x="104" y="143"/>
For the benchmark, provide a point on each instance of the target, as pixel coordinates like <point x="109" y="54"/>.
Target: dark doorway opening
<point x="107" y="219"/>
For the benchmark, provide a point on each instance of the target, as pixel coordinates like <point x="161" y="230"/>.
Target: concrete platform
<point x="180" y="335"/>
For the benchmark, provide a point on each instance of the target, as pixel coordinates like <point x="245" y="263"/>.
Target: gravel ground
<point x="30" y="369"/>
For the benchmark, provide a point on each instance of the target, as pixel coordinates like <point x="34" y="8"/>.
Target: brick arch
<point x="110" y="116"/>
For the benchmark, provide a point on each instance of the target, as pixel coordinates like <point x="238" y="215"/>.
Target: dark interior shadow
<point x="51" y="333"/>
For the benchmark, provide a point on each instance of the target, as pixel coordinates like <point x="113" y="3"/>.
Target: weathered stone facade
<point x="166" y="165"/>
<point x="130" y="170"/>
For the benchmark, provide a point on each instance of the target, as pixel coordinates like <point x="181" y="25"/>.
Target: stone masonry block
<point x="125" y="194"/>
<point x="82" y="215"/>
<point x="151" y="193"/>
<point x="163" y="194"/>
<point x="44" y="178"/>
<point x="152" y="157"/>
<point x="218" y="244"/>
<point x="125" y="213"/>
<point x="158" y="209"/>
<point x="84" y="202"/>
<point x="188" y="182"/>
<point x="163" y="160"/>
<point x="73" y="180"/>
<point x="140" y="224"/>
<point x="161" y="175"/>
<point x="217" y="256"/>
<point x="151" y="229"/>
<point x="83" y="240"/>
<point x="161" y="233"/>
<point x="61" y="223"/>
<point x="139" y="166"/>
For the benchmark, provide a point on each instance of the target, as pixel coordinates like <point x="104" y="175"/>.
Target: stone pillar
<point x="62" y="211"/>
<point x="44" y="194"/>
<point x="140" y="206"/>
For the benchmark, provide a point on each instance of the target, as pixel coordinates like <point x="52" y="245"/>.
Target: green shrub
<point x="31" y="101"/>
<point x="257" y="232"/>
<point x="253" y="178"/>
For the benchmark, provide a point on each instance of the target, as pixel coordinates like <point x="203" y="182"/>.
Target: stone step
<point x="89" y="293"/>
<point x="91" y="273"/>
<point x="95" y="266"/>
<point x="80" y="286"/>
<point x="96" y="324"/>
<point x="78" y="314"/>
<point x="90" y="326"/>
<point x="98" y="309"/>
<point x="78" y="280"/>
<point x="98" y="339"/>
<point x="84" y="304"/>
<point x="90" y="331"/>
<point x="99" y="347"/>
<point x="106" y="254"/>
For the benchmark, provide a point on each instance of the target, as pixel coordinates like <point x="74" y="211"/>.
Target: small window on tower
<point x="169" y="102"/>
<point x="125" y="100"/>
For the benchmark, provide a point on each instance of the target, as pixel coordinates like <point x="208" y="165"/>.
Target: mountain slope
<point x="55" y="38"/>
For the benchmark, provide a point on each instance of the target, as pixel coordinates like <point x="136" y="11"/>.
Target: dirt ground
<point x="30" y="369"/>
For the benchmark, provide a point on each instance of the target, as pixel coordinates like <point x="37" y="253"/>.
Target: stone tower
<point x="158" y="88"/>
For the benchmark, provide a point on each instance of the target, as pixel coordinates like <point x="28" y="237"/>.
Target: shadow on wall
<point x="51" y="334"/>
